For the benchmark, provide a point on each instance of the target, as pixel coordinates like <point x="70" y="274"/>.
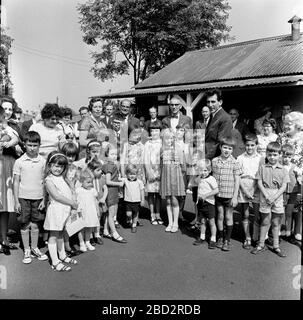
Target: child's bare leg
<point x="66" y="241"/>
<point x="169" y="211"/>
<point x="265" y="224"/>
<point x="135" y="217"/>
<point x="245" y="221"/>
<point x="129" y="217"/>
<point x="52" y="246"/>
<point x="220" y="220"/>
<point x="176" y="211"/>
<point x="106" y="226"/>
<point x="275" y="225"/>
<point x="60" y="246"/>
<point x="288" y="218"/>
<point x="151" y="204"/>
<point x="203" y="228"/>
<point x="229" y="216"/>
<point x="213" y="229"/>
<point x="298" y="225"/>
<point x="157" y="206"/>
<point x="112" y="212"/>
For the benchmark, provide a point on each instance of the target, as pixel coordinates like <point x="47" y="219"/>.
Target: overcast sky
<point x="49" y="58"/>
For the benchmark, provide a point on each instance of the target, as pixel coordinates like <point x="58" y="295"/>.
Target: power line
<point x="49" y="53"/>
<point x="51" y="58"/>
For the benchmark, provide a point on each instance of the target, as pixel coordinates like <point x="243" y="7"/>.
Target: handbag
<point x="74" y="223"/>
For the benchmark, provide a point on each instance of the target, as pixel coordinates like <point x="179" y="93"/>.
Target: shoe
<point x="119" y="239"/>
<point x="279" y="252"/>
<point x="247" y="245"/>
<point x="212" y="245"/>
<point x="107" y="235"/>
<point x="27" y="256"/>
<point x="298" y="237"/>
<point x="12" y="246"/>
<point x="154" y="222"/>
<point x="69" y="260"/>
<point x="160" y="221"/>
<point x="73" y="252"/>
<point x="139" y="224"/>
<point x="61" y="267"/>
<point x="92" y="241"/>
<point x="89" y="246"/>
<point x="226" y="246"/>
<point x="98" y="240"/>
<point x="168" y="228"/>
<point x="258" y="249"/>
<point x="174" y="229"/>
<point x="219" y="243"/>
<point x="117" y="225"/>
<point x="269" y="242"/>
<point x="5" y="249"/>
<point x="134" y="229"/>
<point x="83" y="248"/>
<point x="36" y="253"/>
<point x="198" y="242"/>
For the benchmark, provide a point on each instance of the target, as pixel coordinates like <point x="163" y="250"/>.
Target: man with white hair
<point x="153" y="118"/>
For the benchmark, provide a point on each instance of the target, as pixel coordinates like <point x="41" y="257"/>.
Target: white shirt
<point x="206" y="186"/>
<point x="174" y="122"/>
<point x="132" y="190"/>
<point x="249" y="164"/>
<point x="31" y="172"/>
<point x="235" y="123"/>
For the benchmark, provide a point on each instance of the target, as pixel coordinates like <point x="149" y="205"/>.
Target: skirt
<point x="172" y="181"/>
<point x="6" y="183"/>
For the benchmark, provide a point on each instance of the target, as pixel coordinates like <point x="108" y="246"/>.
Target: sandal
<point x="61" y="267"/>
<point x="119" y="239"/>
<point x="69" y="260"/>
<point x="247" y="244"/>
<point x="107" y="235"/>
<point x="160" y="221"/>
<point x="258" y="249"/>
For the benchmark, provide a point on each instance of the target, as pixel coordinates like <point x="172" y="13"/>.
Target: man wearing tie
<point x="176" y="117"/>
<point x="202" y="124"/>
<point x="108" y="118"/>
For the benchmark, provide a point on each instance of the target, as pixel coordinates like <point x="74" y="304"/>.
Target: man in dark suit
<point x="27" y="124"/>
<point x="130" y="122"/>
<point x="220" y="124"/>
<point x="108" y="118"/>
<point x="176" y="118"/>
<point x="286" y="108"/>
<point x="153" y="119"/>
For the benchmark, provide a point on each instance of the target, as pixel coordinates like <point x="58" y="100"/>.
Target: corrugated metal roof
<point x="205" y="86"/>
<point x="275" y="56"/>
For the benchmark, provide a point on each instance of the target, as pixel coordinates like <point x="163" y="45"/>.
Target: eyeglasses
<point x="174" y="104"/>
<point x="125" y="106"/>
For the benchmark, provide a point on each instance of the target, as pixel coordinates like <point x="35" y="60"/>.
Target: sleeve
<point x="213" y="183"/>
<point x="17" y="168"/>
<point x="286" y="178"/>
<point x="85" y="124"/>
<point x="237" y="169"/>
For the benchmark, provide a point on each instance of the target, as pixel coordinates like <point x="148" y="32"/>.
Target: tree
<point x="146" y="35"/>
<point x="5" y="45"/>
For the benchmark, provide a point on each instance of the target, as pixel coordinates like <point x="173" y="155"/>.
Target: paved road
<point x="157" y="265"/>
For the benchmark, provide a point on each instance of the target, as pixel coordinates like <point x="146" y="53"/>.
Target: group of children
<point x="93" y="187"/>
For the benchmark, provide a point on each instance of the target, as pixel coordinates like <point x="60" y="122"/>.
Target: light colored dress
<point x="88" y="205"/>
<point x="57" y="212"/>
<point x="152" y="160"/>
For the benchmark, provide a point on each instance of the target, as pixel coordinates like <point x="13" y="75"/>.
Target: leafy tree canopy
<point x="5" y="45"/>
<point x="146" y="35"/>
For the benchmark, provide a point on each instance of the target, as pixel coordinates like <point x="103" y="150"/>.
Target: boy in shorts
<point x="29" y="195"/>
<point x="207" y="189"/>
<point x="272" y="181"/>
<point x="227" y="171"/>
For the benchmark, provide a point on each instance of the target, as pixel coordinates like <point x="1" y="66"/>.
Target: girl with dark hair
<point x="267" y="135"/>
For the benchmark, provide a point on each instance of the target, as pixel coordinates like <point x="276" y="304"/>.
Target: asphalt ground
<point x="156" y="265"/>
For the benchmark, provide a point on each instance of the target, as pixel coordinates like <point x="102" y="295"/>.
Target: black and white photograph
<point x="151" y="152"/>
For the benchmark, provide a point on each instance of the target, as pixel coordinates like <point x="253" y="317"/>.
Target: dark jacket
<point x="242" y="128"/>
<point x="219" y="126"/>
<point x="147" y="123"/>
<point x="25" y="127"/>
<point x="183" y="120"/>
<point x="108" y="123"/>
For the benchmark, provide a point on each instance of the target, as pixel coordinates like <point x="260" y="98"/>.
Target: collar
<point x="176" y="117"/>
<point x="255" y="155"/>
<point x="36" y="159"/>
<point x="132" y="180"/>
<point x="153" y="120"/>
<point x="230" y="158"/>
<point x="278" y="165"/>
<point x="217" y="111"/>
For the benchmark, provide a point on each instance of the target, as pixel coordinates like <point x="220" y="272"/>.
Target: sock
<point x="52" y="248"/>
<point x="34" y="236"/>
<point x="202" y="236"/>
<point x="213" y="238"/>
<point x="25" y="238"/>
<point x="229" y="230"/>
<point x="220" y="234"/>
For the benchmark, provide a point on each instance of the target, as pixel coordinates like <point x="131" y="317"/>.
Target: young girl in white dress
<point x="58" y="210"/>
<point x="87" y="198"/>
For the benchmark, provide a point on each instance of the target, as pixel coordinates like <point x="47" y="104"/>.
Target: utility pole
<point x="57" y="100"/>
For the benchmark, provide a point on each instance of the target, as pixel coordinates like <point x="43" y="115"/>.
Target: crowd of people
<point x="67" y="183"/>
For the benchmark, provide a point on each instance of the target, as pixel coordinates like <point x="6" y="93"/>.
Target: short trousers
<point x="225" y="202"/>
<point x="276" y="207"/>
<point x="206" y="209"/>
<point x="132" y="206"/>
<point x="290" y="198"/>
<point x="30" y="212"/>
